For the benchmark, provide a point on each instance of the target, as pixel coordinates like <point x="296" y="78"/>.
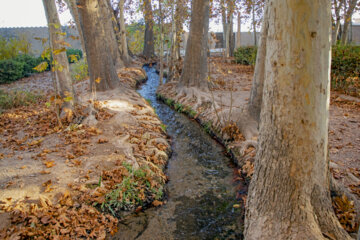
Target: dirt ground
<point x="230" y="91"/>
<point x="48" y="172"/>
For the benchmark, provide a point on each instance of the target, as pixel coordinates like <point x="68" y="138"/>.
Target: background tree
<point x="195" y="68"/>
<point x="149" y="50"/>
<point x="349" y="11"/>
<point x="100" y="44"/>
<point x="289" y="194"/>
<point x="63" y="81"/>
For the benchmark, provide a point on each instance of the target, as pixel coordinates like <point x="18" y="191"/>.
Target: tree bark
<point x="74" y="12"/>
<point x="256" y="93"/>
<point x="238" y="34"/>
<point x="99" y="44"/>
<point x="149" y="51"/>
<point x="195" y="65"/>
<point x="289" y="195"/>
<point x="338" y="6"/>
<point x="176" y="29"/>
<point x="254" y="23"/>
<point x="62" y="79"/>
<point x="161" y="23"/>
<point x="347" y="20"/>
<point x="111" y="28"/>
<point x="124" y="46"/>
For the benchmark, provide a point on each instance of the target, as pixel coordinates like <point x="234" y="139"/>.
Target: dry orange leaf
<point x="49" y="164"/>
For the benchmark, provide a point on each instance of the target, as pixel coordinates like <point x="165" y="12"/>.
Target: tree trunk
<point x="175" y="41"/>
<point x="231" y="31"/>
<point x="111" y="28"/>
<point x="256" y="93"/>
<point x="161" y="23"/>
<point x="74" y="12"/>
<point x="238" y="34"/>
<point x="338" y="8"/>
<point x="289" y="195"/>
<point x="99" y="45"/>
<point x="347" y="20"/>
<point x="195" y="65"/>
<point x="149" y="51"/>
<point x="62" y="79"/>
<point x="254" y="23"/>
<point x="226" y="40"/>
<point x="124" y="46"/>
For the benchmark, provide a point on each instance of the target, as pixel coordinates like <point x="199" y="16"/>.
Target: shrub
<point x="345" y="69"/>
<point x="10" y="48"/>
<point x="29" y="63"/>
<point x="11" y="70"/>
<point x="79" y="71"/>
<point x="73" y="52"/>
<point x="16" y="99"/>
<point x="246" y="55"/>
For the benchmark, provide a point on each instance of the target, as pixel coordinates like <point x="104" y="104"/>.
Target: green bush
<point x="29" y="63"/>
<point x="11" y="70"/>
<point x="246" y="55"/>
<point x="345" y="69"/>
<point x="77" y="52"/>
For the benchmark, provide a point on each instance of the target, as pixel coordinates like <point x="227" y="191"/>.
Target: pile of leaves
<point x="345" y="212"/>
<point x="65" y="219"/>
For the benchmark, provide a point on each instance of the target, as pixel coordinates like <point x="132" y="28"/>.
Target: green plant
<point x="11" y="70"/>
<point x="79" y="70"/>
<point x="345" y="69"/>
<point x="74" y="55"/>
<point x="246" y="55"/>
<point x="178" y="107"/>
<point x="169" y="102"/>
<point x="16" y="99"/>
<point x="29" y="63"/>
<point x="130" y="193"/>
<point x="163" y="127"/>
<point x="207" y="127"/>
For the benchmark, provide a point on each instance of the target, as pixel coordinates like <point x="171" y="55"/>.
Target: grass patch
<point x="163" y="127"/>
<point x="17" y="98"/>
<point x="136" y="188"/>
<point x="79" y="71"/>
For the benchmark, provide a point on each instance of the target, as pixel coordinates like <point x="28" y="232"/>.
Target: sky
<point x="30" y="13"/>
<point x="25" y="13"/>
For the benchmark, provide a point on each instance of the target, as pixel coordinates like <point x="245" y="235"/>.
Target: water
<point x="200" y="194"/>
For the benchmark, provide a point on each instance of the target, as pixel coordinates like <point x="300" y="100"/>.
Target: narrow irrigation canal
<point x="201" y="194"/>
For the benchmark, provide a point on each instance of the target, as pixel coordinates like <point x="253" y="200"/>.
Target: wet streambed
<point x="200" y="193"/>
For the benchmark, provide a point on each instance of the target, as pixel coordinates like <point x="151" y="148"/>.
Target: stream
<point x="201" y="193"/>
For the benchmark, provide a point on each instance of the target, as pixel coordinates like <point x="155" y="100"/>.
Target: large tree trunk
<point x="63" y="79"/>
<point x="256" y="93"/>
<point x="195" y="65"/>
<point x="111" y="28"/>
<point x="149" y="51"/>
<point x="101" y="52"/>
<point x="74" y="12"/>
<point x="289" y="194"/>
<point x="347" y="20"/>
<point x="238" y="34"/>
